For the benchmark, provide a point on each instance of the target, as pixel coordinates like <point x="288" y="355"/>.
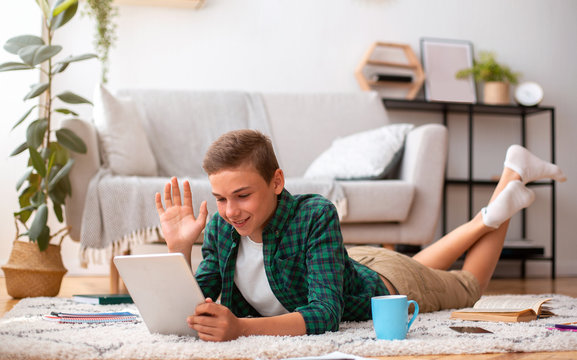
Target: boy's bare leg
<point x="482" y="258"/>
<point x="483" y="236"/>
<point x="444" y="252"/>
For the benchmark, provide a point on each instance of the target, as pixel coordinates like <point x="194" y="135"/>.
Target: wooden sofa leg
<point x="388" y="246"/>
<point x="115" y="277"/>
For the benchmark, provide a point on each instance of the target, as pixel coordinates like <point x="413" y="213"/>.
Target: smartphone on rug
<point x="470" y="329"/>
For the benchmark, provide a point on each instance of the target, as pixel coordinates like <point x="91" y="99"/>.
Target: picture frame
<point x="442" y="59"/>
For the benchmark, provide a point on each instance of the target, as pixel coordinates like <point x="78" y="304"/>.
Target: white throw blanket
<point x="120" y="212"/>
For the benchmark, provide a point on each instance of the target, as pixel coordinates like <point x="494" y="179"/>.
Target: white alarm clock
<point x="529" y="93"/>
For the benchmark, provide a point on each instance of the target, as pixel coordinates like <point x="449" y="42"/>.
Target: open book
<point x="503" y="308"/>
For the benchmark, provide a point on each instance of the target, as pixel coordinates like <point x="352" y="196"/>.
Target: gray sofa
<point x="115" y="206"/>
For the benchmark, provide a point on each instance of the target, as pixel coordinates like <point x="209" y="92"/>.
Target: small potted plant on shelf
<point x="35" y="267"/>
<point x="496" y="78"/>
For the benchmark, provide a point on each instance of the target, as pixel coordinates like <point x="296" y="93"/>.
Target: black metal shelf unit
<point x="445" y="108"/>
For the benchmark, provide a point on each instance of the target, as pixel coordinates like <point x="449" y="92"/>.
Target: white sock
<point x="530" y="167"/>
<point x="514" y="197"/>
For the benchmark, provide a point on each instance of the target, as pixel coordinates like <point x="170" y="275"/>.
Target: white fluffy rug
<point x="25" y="335"/>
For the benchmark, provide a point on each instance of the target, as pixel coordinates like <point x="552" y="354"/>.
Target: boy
<point x="278" y="261"/>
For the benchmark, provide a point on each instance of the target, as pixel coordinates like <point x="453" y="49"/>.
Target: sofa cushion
<point x="303" y="125"/>
<point x="377" y="200"/>
<point x="183" y="123"/>
<point x="371" y="154"/>
<point x="125" y="146"/>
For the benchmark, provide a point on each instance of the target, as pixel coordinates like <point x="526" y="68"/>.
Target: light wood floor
<point x="565" y="286"/>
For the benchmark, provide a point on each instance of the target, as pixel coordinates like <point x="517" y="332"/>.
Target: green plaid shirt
<point x="306" y="264"/>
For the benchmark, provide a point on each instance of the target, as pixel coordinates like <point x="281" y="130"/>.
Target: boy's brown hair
<point x="242" y="147"/>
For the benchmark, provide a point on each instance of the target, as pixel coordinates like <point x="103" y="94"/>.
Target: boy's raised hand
<point x="179" y="225"/>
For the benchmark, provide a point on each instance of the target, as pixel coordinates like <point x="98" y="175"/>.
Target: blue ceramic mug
<point x="391" y="316"/>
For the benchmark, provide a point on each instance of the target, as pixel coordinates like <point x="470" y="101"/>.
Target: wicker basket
<point x="31" y="272"/>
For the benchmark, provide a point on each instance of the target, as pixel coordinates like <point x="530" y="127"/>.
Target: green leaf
<point x="36" y="90"/>
<point x="58" y="212"/>
<point x="19" y="149"/>
<point x="65" y="186"/>
<point x="25" y="207"/>
<point x="63" y="11"/>
<point x="23" y="117"/>
<point x="24" y="178"/>
<point x="45" y="152"/>
<point x="61" y="154"/>
<point x="50" y="162"/>
<point x="63" y="64"/>
<point x="76" y="58"/>
<point x="58" y="194"/>
<point x="61" y="174"/>
<point x="27" y="53"/>
<point x="33" y="191"/>
<point x="70" y="140"/>
<point x="24" y="213"/>
<point x="35" y="181"/>
<point x="37" y="54"/>
<point x="36" y="132"/>
<point x="46" y="52"/>
<point x="45" y="7"/>
<point x="38" y="199"/>
<point x="59" y="188"/>
<point x="72" y="98"/>
<point x="14" y="44"/>
<point x="33" y="186"/>
<point x="13" y="66"/>
<point x="61" y="6"/>
<point x="37" y="162"/>
<point x="66" y="111"/>
<point x="39" y="222"/>
<point x="44" y="239"/>
<point x="58" y="68"/>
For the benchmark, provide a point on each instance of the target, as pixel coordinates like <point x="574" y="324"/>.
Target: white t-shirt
<point x="250" y="278"/>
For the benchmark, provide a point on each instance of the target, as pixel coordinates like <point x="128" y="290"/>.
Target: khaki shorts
<point x="432" y="289"/>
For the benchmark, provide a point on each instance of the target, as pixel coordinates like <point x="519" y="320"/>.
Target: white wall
<point x="285" y="45"/>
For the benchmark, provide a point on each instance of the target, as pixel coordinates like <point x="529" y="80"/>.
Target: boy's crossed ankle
<point x="530" y="167"/>
<point x="514" y="197"/>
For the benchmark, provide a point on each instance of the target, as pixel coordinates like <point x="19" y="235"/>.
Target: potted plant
<point x="496" y="77"/>
<point x="35" y="267"/>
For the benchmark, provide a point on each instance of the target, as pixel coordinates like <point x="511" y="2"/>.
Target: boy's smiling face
<point x="245" y="200"/>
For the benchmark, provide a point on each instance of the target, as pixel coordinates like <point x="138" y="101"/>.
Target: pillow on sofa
<point x="369" y="154"/>
<point x="124" y="141"/>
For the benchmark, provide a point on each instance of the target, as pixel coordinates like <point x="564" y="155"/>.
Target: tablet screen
<point x="163" y="288"/>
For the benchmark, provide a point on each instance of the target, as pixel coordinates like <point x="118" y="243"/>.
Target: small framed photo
<point x="442" y="59"/>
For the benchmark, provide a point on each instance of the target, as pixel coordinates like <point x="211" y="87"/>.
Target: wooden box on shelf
<point x="393" y="66"/>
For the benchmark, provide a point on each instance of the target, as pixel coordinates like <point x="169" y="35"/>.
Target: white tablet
<point x="163" y="288"/>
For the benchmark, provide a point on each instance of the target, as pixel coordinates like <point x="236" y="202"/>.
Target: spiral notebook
<point x="91" y="318"/>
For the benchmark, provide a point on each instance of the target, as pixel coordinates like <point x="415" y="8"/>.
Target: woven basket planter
<point x="31" y="272"/>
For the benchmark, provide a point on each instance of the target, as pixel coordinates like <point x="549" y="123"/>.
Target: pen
<point x="566" y="327"/>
